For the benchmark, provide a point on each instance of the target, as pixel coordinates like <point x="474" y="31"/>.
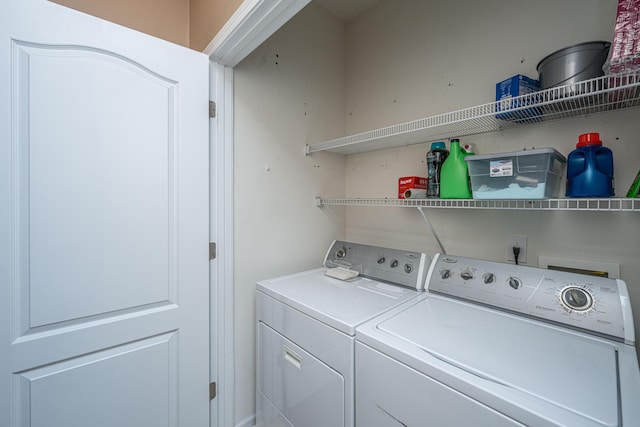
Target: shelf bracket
<point x="433" y="231"/>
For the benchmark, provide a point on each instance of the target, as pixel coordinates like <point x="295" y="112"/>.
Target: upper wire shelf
<point x="607" y="205"/>
<point x="597" y="95"/>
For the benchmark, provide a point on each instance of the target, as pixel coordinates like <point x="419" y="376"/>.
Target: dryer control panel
<point x="399" y="267"/>
<point x="594" y="304"/>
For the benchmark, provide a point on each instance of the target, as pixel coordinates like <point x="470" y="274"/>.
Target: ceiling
<point x="346" y="10"/>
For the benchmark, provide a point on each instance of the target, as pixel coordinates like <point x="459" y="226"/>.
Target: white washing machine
<point x="306" y="324"/>
<point x="493" y="344"/>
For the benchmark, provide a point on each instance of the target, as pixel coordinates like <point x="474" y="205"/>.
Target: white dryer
<point x="306" y="324"/>
<point x="493" y="344"/>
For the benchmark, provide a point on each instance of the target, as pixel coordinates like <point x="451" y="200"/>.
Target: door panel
<point x="67" y="393"/>
<point x="104" y="201"/>
<point x="129" y="260"/>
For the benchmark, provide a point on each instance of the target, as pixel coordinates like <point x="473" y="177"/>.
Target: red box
<point x="416" y="185"/>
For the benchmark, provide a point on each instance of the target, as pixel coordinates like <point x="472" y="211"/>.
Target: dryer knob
<point x="466" y="275"/>
<point x="394" y="263"/>
<point x="381" y="260"/>
<point x="408" y="268"/>
<point x="445" y="274"/>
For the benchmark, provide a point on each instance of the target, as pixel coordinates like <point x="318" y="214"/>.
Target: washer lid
<point x="551" y="365"/>
<point x="340" y="304"/>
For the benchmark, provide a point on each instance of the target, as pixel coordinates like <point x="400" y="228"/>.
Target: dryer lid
<point x="343" y="305"/>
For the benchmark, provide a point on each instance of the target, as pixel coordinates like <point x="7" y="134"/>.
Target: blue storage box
<point x="510" y="88"/>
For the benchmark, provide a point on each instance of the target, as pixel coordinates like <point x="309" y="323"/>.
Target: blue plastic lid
<point x="438" y="145"/>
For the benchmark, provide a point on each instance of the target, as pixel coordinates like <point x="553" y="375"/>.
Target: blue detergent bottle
<point x="590" y="168"/>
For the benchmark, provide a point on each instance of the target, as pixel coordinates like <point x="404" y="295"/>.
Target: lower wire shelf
<point x="582" y="204"/>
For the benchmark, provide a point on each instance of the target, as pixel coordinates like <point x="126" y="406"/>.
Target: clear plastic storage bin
<point x="526" y="174"/>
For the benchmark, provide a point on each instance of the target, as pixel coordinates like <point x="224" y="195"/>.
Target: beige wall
<point x="191" y="23"/>
<point x="166" y="19"/>
<point x="289" y="91"/>
<point x="207" y="17"/>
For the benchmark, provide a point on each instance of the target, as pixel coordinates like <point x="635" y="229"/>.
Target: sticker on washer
<point x="501" y="168"/>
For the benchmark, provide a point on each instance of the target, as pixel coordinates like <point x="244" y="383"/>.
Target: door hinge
<point x="212" y="250"/>
<point x="212" y="391"/>
<point x="212" y="109"/>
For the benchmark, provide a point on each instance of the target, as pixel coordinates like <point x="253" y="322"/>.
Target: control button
<point x="577" y="298"/>
<point x="394" y="263"/>
<point x="445" y="274"/>
<point x="381" y="260"/>
<point x="488" y="278"/>
<point x="341" y="253"/>
<point x="515" y="283"/>
<point x="408" y="268"/>
<point x="466" y="275"/>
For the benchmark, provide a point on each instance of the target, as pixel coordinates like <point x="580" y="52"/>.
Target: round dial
<point x="340" y="253"/>
<point x="488" y="278"/>
<point x="576" y="298"/>
<point x="408" y="268"/>
<point x="445" y="274"/>
<point x="466" y="275"/>
<point x="381" y="260"/>
<point x="515" y="283"/>
<point x="394" y="263"/>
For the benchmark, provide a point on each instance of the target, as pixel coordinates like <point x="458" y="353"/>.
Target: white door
<point x="103" y="224"/>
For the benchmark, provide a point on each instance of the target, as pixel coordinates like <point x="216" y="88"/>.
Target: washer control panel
<point x="590" y="303"/>
<point x="395" y="266"/>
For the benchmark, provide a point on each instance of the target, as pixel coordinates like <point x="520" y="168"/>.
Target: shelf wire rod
<point x="433" y="231"/>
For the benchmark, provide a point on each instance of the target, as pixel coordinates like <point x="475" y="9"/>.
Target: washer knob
<point x="515" y="283"/>
<point x="577" y="298"/>
<point x="394" y="263"/>
<point x="381" y="260"/>
<point x="408" y="268"/>
<point x="488" y="278"/>
<point x="445" y="274"/>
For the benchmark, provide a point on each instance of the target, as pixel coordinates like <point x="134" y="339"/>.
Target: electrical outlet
<point x="520" y="242"/>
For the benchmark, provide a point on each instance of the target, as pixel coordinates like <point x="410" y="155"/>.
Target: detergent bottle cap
<point x="587" y="139"/>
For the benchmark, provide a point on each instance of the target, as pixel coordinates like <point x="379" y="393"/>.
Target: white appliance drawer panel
<point x="307" y="392"/>
<point x="390" y="394"/>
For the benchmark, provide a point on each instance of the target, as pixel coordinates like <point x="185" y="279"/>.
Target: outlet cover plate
<point x="521" y="242"/>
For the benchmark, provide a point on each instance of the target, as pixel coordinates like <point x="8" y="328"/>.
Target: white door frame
<point x="250" y="25"/>
<point x="221" y="232"/>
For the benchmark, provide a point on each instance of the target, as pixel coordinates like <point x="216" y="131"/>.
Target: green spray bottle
<point x="454" y="176"/>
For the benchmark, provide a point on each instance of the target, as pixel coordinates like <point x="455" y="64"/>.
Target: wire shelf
<point x="587" y="97"/>
<point x="606" y="205"/>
